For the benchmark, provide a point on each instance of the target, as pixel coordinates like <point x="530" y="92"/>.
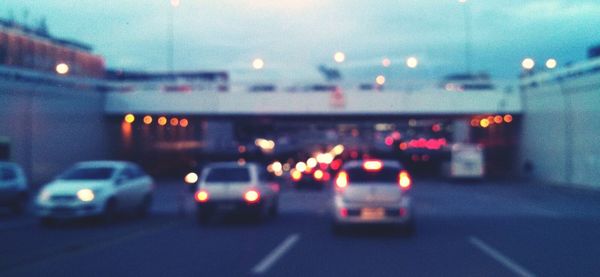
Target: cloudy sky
<point x="294" y="36"/>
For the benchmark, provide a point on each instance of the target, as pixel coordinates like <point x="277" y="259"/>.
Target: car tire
<point x="145" y="206"/>
<point x="110" y="211"/>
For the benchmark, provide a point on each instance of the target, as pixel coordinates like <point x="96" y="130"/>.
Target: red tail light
<point x="201" y="196"/>
<point x="296" y="175"/>
<point x="404" y="180"/>
<point x="252" y="196"/>
<point x="341" y="181"/>
<point x="318" y="175"/>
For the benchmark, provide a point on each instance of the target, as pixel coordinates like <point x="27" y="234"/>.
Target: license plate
<point x="372" y="213"/>
<point x="226" y="207"/>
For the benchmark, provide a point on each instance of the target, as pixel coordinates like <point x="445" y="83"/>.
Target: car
<point x="230" y="187"/>
<point x="372" y="192"/>
<point x="310" y="179"/>
<point x="96" y="189"/>
<point x="13" y="187"/>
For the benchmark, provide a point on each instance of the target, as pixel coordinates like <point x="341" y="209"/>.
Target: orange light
<point x="498" y="119"/>
<point x="183" y="122"/>
<point x="162" y="121"/>
<point x="174" y="121"/>
<point x="484" y="123"/>
<point x="372" y="165"/>
<point x="201" y="196"/>
<point x="147" y="120"/>
<point x="404" y="180"/>
<point x="318" y="174"/>
<point x="252" y="196"/>
<point x="474" y="122"/>
<point x="403" y="146"/>
<point x="129" y="118"/>
<point x="508" y="118"/>
<point x="296" y="175"/>
<point x="341" y="181"/>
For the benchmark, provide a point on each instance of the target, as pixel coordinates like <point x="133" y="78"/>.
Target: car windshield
<point x="228" y="175"/>
<point x="385" y="175"/>
<point x="88" y="173"/>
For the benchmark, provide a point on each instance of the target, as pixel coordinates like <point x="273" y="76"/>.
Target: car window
<point x="228" y="174"/>
<point x="88" y="173"/>
<point x="361" y="176"/>
<point x="7" y="174"/>
<point x="128" y="173"/>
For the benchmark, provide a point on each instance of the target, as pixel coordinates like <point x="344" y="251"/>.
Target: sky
<point x="293" y="37"/>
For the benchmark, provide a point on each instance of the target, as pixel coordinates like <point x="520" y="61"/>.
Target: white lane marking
<point x="499" y="257"/>
<point x="277" y="253"/>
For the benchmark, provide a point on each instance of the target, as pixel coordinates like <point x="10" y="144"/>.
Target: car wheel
<point x="110" y="211"/>
<point x="144" y="207"/>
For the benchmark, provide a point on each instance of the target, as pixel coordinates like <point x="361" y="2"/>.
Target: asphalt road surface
<point x="475" y="229"/>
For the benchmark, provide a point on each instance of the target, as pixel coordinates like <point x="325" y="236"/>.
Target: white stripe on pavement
<point x="499" y="257"/>
<point x="270" y="259"/>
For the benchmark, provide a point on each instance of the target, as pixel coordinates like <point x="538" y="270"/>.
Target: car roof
<point x="231" y="164"/>
<point x="359" y="163"/>
<point x="107" y="163"/>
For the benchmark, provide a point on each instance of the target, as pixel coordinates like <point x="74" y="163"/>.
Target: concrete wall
<point x="49" y="127"/>
<point x="561" y="129"/>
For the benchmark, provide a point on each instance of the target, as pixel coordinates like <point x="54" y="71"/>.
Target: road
<point x="476" y="229"/>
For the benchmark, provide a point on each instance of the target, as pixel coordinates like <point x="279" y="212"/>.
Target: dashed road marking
<point x="276" y="254"/>
<point x="501" y="258"/>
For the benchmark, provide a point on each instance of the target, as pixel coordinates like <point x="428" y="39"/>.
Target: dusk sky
<point x="295" y="36"/>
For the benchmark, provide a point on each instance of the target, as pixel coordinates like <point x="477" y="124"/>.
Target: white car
<point x="96" y="188"/>
<point x="231" y="187"/>
<point x="372" y="192"/>
<point x="13" y="187"/>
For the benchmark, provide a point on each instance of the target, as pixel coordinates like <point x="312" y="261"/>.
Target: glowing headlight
<point x="85" y="195"/>
<point x="44" y="195"/>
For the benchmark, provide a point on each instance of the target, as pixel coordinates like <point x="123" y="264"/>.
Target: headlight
<point x="44" y="195"/>
<point x="85" y="195"/>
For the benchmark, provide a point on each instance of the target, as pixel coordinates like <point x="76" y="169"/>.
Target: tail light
<point x="343" y="212"/>
<point x="296" y="175"/>
<point x="252" y="196"/>
<point x="372" y="165"/>
<point x="201" y="196"/>
<point x="404" y="180"/>
<point x="318" y="175"/>
<point x="341" y="181"/>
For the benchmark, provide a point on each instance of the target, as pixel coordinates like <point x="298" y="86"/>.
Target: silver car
<point x="13" y="187"/>
<point x="372" y="192"/>
<point x="233" y="187"/>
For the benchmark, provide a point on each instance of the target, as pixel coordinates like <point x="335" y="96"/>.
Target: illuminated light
<point x="498" y="119"/>
<point x="242" y="149"/>
<point x="301" y="167"/>
<point x="354" y="154"/>
<point x="341" y="181"/>
<point x="415" y="157"/>
<point x="318" y="174"/>
<point x="396" y="135"/>
<point x="252" y="196"/>
<point x="183" y="122"/>
<point x="551" y="64"/>
<point x="389" y="141"/>
<point x="386" y="62"/>
<point x="174" y="121"/>
<point x="286" y="167"/>
<point x="162" y="121"/>
<point x="528" y="63"/>
<point x="270" y="168"/>
<point x="175" y="3"/>
<point x="191" y="178"/>
<point x="311" y="162"/>
<point x="278" y="173"/>
<point x="339" y="57"/>
<point x="484" y="123"/>
<point x="412" y="62"/>
<point x="425" y="158"/>
<point x="201" y="196"/>
<point x="474" y="122"/>
<point x="129" y="118"/>
<point x="308" y="170"/>
<point x="85" y="195"/>
<point x="462" y="1"/>
<point x="325" y="158"/>
<point x="343" y="212"/>
<point x="147" y="120"/>
<point x="296" y="175"/>
<point x="508" y="118"/>
<point x="277" y="166"/>
<point x="258" y="64"/>
<point x="264" y="144"/>
<point x="335" y="165"/>
<point x="403" y="212"/>
<point x="380" y="80"/>
<point x="436" y="127"/>
<point x="338" y="150"/>
<point x="372" y="165"/>
<point x="404" y="180"/>
<point x="241" y="161"/>
<point x="62" y="68"/>
<point x="403" y="146"/>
